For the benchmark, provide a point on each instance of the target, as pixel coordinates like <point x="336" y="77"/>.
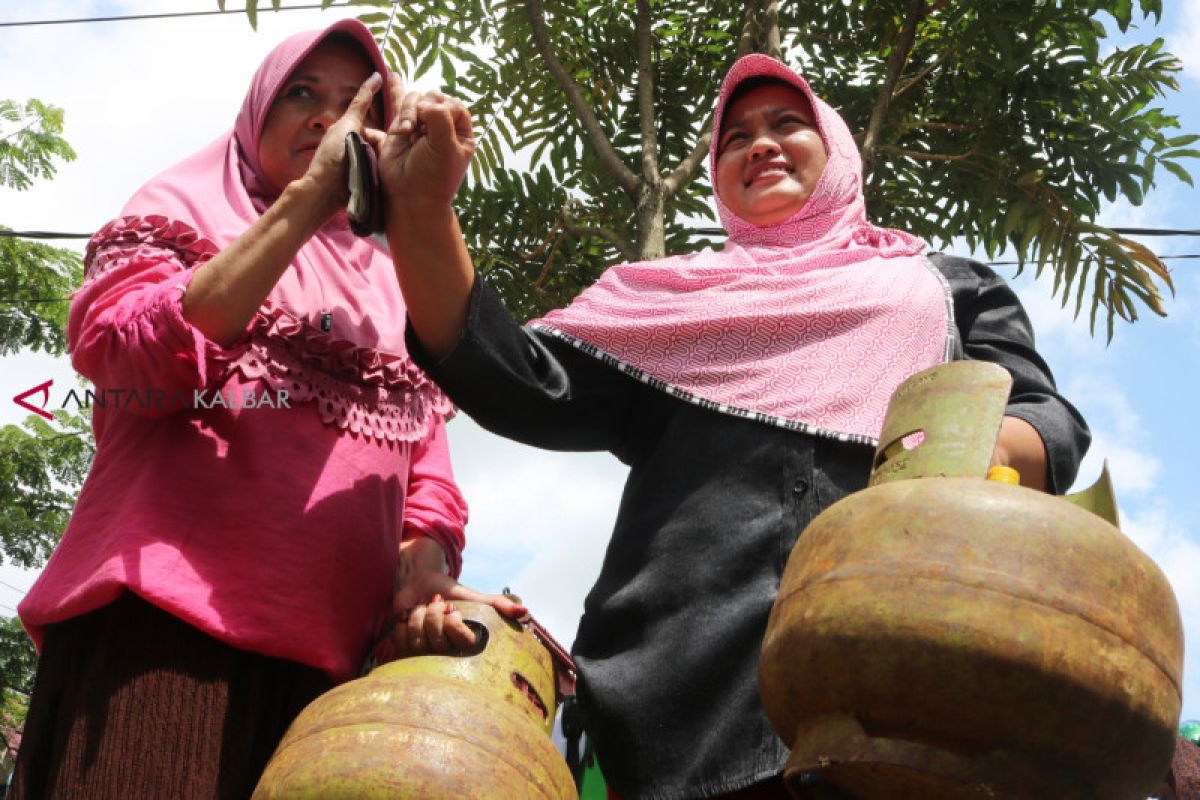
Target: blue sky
<point x="140" y="96"/>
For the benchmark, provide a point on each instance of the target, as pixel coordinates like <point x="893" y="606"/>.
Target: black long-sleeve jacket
<point x="668" y="645"/>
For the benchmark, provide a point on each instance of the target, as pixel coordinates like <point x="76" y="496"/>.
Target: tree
<point x="996" y="120"/>
<point x="18" y="666"/>
<point x="41" y="466"/>
<point x="33" y="276"/>
<point x="42" y="469"/>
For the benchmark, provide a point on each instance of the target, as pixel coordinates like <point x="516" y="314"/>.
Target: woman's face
<point x="770" y="154"/>
<point x="312" y="98"/>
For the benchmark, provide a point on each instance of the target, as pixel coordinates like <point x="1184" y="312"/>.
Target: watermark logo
<point x="146" y="399"/>
<point x="44" y="390"/>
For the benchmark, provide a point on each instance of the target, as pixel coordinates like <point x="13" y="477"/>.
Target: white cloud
<point x="540" y="520"/>
<point x="1185" y="41"/>
<point x="1118" y="434"/>
<point x="1160" y="534"/>
<point x="134" y="102"/>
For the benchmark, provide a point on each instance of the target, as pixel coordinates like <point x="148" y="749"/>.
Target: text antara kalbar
<point x="160" y="398"/>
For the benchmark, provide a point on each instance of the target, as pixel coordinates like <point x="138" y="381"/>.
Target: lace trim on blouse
<point x="366" y="391"/>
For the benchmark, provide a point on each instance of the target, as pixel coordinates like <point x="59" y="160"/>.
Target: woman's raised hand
<point x="427" y="149"/>
<point x="328" y="169"/>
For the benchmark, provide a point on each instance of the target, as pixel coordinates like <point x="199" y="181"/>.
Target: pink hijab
<point x="337" y="310"/>
<point x="808" y="324"/>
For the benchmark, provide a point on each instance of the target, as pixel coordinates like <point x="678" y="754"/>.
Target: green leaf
<point x="1182" y="141"/>
<point x="1179" y="172"/>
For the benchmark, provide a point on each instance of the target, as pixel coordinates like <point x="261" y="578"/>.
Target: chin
<point x="772" y="216"/>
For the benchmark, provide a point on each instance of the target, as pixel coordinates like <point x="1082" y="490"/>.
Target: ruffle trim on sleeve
<point x="155" y="229"/>
<point x="379" y="395"/>
<point x="374" y="394"/>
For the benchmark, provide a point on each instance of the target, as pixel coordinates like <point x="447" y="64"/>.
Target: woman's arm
<point x="227" y="290"/>
<point x="423" y="158"/>
<point x="512" y="382"/>
<point x="1043" y="436"/>
<point x="431" y="557"/>
<point x="1020" y="446"/>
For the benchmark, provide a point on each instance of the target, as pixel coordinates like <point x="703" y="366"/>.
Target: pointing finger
<point x="357" y="111"/>
<point x="406" y="114"/>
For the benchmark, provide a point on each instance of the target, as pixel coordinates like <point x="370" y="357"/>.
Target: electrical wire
<point x="129" y="17"/>
<point x="43" y="235"/>
<point x="1125" y="231"/>
<point x="20" y="301"/>
<point x="391" y="18"/>
<point x="693" y="232"/>
<point x="14" y="588"/>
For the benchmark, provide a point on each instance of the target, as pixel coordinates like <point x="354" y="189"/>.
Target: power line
<point x="694" y="232"/>
<point x="1156" y="231"/>
<point x="19" y="301"/>
<point x="43" y="235"/>
<point x="126" y="18"/>
<point x="1125" y="231"/>
<point x="14" y="588"/>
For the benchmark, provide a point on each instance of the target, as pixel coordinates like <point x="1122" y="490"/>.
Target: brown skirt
<point x="131" y="702"/>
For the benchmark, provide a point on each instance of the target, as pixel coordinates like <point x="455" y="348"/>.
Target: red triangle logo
<point x="44" y="389"/>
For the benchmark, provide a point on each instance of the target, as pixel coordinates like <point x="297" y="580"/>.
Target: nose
<point x="763" y="146"/>
<point x="322" y="118"/>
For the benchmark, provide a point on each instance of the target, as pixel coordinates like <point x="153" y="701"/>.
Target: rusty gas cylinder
<point x="938" y="635"/>
<point x="436" y="727"/>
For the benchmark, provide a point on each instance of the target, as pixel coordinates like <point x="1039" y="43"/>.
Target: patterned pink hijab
<point x="808" y="324"/>
<point x="336" y="310"/>
<point x="221" y="189"/>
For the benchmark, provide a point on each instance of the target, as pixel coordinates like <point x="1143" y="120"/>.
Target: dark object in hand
<point x="365" y="207"/>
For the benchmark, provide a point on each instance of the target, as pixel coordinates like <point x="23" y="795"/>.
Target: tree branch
<point x="942" y="56"/>
<point x="545" y="273"/>
<point x="609" y="157"/>
<point x="929" y="124"/>
<point x="628" y="251"/>
<point x="899" y="55"/>
<point x="694" y="161"/>
<point x="770" y="38"/>
<point x="541" y="248"/>
<point x="919" y="156"/>
<point x="746" y="41"/>
<point x="645" y="93"/>
<point x="920" y="76"/>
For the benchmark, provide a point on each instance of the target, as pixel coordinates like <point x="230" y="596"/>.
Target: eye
<point x="793" y="121"/>
<point x="732" y="138"/>
<point x="299" y="91"/>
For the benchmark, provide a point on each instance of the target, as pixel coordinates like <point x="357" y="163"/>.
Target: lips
<point x="767" y="169"/>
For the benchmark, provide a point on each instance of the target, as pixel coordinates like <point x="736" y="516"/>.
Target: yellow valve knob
<point x="1003" y="475"/>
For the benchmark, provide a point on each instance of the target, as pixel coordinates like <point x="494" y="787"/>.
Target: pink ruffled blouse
<point x="259" y="492"/>
<point x="269" y="518"/>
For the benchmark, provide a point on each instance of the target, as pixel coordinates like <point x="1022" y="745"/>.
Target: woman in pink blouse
<point x="271" y="478"/>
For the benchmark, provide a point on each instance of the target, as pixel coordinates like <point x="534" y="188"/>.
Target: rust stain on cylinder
<point x="432" y="728"/>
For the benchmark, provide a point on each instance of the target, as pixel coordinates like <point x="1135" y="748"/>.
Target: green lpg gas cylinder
<point x="939" y="635"/>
